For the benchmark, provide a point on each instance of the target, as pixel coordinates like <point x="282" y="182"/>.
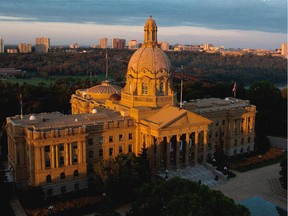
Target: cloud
<point x="13" y="18"/>
<point x="269" y="16"/>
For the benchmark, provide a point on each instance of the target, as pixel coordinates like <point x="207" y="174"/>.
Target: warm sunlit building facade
<point x="284" y="50"/>
<point x="42" y="45"/>
<point x="103" y="43"/>
<point x="118" y="43"/>
<point x="24" y="48"/>
<point x="57" y="151"/>
<point x="1" y="45"/>
<point x="133" y="44"/>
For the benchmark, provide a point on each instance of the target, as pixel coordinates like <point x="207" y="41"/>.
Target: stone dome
<point x="105" y="88"/>
<point x="149" y="58"/>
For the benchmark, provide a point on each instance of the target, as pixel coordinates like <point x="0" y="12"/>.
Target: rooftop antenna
<point x="21" y="107"/>
<point x="181" y="91"/>
<point x="106" y="64"/>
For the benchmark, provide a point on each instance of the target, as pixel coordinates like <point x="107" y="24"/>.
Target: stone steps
<point x="276" y="188"/>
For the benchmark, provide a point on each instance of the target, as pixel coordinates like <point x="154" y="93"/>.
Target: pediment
<point x="169" y="117"/>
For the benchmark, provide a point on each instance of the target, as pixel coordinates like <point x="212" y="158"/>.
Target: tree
<point x="271" y="117"/>
<point x="120" y="176"/>
<point x="183" y="197"/>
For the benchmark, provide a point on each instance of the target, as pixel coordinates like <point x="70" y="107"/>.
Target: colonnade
<point x="69" y="153"/>
<point x="176" y="150"/>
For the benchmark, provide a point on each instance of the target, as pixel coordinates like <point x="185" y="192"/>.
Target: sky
<point x="228" y="23"/>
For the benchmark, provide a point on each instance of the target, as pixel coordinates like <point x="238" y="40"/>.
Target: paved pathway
<point x="262" y="182"/>
<point x="204" y="173"/>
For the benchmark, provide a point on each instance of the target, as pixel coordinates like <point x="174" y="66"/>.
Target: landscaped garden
<point x="245" y="163"/>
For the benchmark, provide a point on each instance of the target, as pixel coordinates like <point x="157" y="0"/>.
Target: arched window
<point x="144" y="89"/>
<point x="161" y="88"/>
<point x="62" y="175"/>
<point x="48" y="179"/>
<point x="76" y="173"/>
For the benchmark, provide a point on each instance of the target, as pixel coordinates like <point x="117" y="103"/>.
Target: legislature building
<point x="56" y="151"/>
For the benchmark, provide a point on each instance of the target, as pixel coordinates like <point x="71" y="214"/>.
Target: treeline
<point x="271" y="102"/>
<point x="207" y="67"/>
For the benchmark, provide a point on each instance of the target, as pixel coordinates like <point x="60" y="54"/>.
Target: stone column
<point x="52" y="156"/>
<point x="196" y="147"/>
<point x="187" y="150"/>
<point x="150" y="142"/>
<point x="37" y="158"/>
<point x="70" y="154"/>
<point x="178" y="151"/>
<point x="79" y="154"/>
<point x="57" y="156"/>
<point x="158" y="153"/>
<point x="66" y="150"/>
<point x="168" y="152"/>
<point x="84" y="152"/>
<point x="205" y="146"/>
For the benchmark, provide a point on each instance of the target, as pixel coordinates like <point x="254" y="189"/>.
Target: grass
<point x="50" y="80"/>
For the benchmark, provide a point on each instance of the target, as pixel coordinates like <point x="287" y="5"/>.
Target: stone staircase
<point x="196" y="174"/>
<point x="276" y="188"/>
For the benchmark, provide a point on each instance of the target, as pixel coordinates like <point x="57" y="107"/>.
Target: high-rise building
<point x="42" y="45"/>
<point x="55" y="151"/>
<point x="118" y="43"/>
<point x="164" y="46"/>
<point x="1" y="45"/>
<point x="284" y="50"/>
<point x="103" y="43"/>
<point x="74" y="46"/>
<point x="132" y="44"/>
<point x="24" y="48"/>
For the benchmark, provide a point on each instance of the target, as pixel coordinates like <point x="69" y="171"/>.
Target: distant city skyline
<point x="231" y="23"/>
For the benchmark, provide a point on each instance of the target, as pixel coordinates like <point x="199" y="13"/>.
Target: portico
<point x="177" y="138"/>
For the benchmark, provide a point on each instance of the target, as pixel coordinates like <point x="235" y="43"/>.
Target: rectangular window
<point x="217" y="122"/>
<point x="110" y="151"/>
<point x="75" y="159"/>
<point x="47" y="148"/>
<point x="90" y="141"/>
<point x="100" y="152"/>
<point x="90" y="154"/>
<point x="110" y="138"/>
<point x="130" y="148"/>
<point x="223" y="122"/>
<point x="100" y="140"/>
<point x="47" y="163"/>
<point x="120" y="137"/>
<point x="120" y="149"/>
<point x="74" y="144"/>
<point x="130" y="137"/>
<point x="61" y="161"/>
<point x="61" y="147"/>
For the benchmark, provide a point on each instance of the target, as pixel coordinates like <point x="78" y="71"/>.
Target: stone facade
<point x="57" y="151"/>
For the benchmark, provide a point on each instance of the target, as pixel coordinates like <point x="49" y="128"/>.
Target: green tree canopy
<point x="183" y="197"/>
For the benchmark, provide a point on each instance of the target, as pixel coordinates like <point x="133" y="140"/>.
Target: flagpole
<point x="106" y="64"/>
<point x="21" y="107"/>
